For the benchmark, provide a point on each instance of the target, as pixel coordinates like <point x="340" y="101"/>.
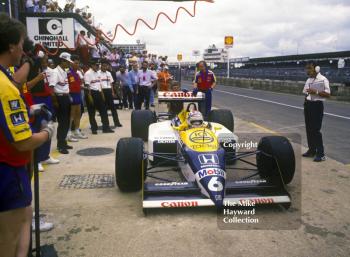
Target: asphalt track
<point x="283" y="113"/>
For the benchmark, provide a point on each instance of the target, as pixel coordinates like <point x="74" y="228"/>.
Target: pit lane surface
<point x="283" y="113"/>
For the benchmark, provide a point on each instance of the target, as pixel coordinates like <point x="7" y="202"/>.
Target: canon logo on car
<point x="179" y="204"/>
<point x="179" y="94"/>
<point x="258" y="201"/>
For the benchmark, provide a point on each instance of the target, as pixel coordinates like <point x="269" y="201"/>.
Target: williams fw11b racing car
<point x="200" y="153"/>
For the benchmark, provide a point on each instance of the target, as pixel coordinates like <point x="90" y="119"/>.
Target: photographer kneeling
<point x="16" y="145"/>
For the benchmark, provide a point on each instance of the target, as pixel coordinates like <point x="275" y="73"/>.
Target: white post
<point x="10" y="9"/>
<point x="228" y="62"/>
<point x="179" y="72"/>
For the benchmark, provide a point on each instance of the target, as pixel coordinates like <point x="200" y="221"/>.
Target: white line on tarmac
<point x="278" y="103"/>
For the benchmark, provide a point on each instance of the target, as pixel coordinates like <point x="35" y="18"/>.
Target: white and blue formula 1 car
<point x="201" y="157"/>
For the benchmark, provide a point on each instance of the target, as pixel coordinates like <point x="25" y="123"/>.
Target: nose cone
<point x="212" y="183"/>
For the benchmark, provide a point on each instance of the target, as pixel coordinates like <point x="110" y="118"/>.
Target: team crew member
<point x="205" y="81"/>
<point x="75" y="80"/>
<point x="133" y="74"/>
<point x="164" y="79"/>
<point x="108" y="92"/>
<point x="152" y="68"/>
<point x="145" y="80"/>
<point x="16" y="144"/>
<point x="92" y="80"/>
<point x="59" y="81"/>
<point x="126" y="83"/>
<point x="41" y="93"/>
<point x="317" y="90"/>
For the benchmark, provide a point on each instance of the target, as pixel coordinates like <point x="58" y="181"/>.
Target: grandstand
<point x="334" y="65"/>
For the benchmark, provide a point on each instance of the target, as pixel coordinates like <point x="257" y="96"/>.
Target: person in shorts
<point x="75" y="81"/>
<point x="16" y="145"/>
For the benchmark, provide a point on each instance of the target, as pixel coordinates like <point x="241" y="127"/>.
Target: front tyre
<point x="130" y="164"/>
<point x="276" y="158"/>
<point x="140" y="122"/>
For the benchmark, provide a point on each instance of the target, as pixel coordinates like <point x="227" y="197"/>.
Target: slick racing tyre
<point x="130" y="164"/>
<point x="276" y="158"/>
<point x="140" y="121"/>
<point x="223" y="117"/>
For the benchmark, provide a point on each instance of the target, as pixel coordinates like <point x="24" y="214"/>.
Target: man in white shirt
<point x="92" y="79"/>
<point x="316" y="90"/>
<point x="152" y="67"/>
<point x="59" y="82"/>
<point x="145" y="79"/>
<point x="108" y="91"/>
<point x="113" y="57"/>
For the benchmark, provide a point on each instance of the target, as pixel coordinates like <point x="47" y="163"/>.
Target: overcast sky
<point x="260" y="27"/>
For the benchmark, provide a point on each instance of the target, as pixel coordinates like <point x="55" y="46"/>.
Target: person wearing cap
<point x="92" y="79"/>
<point x="59" y="82"/>
<point x="108" y="91"/>
<point x="164" y="79"/>
<point x="316" y="90"/>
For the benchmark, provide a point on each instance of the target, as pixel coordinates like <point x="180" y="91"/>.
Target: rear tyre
<point x="223" y="117"/>
<point x="140" y="122"/>
<point x="130" y="164"/>
<point x="278" y="160"/>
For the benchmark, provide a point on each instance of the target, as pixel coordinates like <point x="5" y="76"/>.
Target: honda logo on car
<point x="179" y="204"/>
<point x="210" y="172"/>
<point x="208" y="159"/>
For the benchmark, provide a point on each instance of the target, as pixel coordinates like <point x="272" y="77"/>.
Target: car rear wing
<point x="179" y="96"/>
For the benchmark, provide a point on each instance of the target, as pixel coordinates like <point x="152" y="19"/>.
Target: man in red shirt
<point x="16" y="144"/>
<point x="75" y="80"/>
<point x="205" y="81"/>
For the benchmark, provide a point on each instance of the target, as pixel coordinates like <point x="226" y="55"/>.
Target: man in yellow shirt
<point x="16" y="145"/>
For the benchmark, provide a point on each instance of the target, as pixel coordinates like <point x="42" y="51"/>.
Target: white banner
<point x="48" y="31"/>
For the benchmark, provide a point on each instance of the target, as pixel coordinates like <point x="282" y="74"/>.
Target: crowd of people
<point x="67" y="87"/>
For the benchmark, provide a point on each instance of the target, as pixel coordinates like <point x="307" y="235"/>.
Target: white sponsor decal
<point x="210" y="172"/>
<point x="172" y="184"/>
<point x="166" y="141"/>
<point x="253" y="181"/>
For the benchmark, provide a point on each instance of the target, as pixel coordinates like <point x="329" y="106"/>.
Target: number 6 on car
<point x="215" y="185"/>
